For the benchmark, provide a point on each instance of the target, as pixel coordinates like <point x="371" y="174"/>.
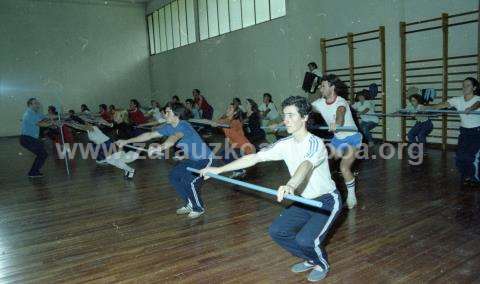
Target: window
<point x="171" y="26"/>
<point x="150" y="34"/>
<point x="175" y="24"/>
<point x="217" y="17"/>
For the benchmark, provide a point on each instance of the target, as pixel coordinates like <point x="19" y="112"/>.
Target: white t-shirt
<point x="97" y="136"/>
<point x="157" y="115"/>
<point x="359" y="106"/>
<point x="294" y="153"/>
<point x="317" y="72"/>
<point x="329" y="112"/>
<point x="272" y="114"/>
<point x="466" y="120"/>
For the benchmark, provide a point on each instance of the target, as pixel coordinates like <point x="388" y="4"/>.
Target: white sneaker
<point x="238" y="174"/>
<point x="129" y="175"/>
<point x="184" y="210"/>
<point x="195" y="214"/>
<point x="351" y="200"/>
<point x="101" y="162"/>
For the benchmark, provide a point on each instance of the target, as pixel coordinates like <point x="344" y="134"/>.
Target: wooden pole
<point x="445" y="77"/>
<point x="323" y="49"/>
<point x="403" y="59"/>
<point x="351" y="63"/>
<point x="384" y="81"/>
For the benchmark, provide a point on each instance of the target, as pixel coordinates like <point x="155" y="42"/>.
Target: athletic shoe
<point x="302" y="267"/>
<point x="317" y="274"/>
<point x="351" y="200"/>
<point x="184" y="210"/>
<point x="238" y="174"/>
<point x="195" y="214"/>
<point x="39" y="175"/>
<point x="101" y="162"/>
<point x="129" y="175"/>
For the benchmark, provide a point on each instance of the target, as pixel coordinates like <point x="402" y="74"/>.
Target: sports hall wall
<point x="272" y="56"/>
<point x="70" y="52"/>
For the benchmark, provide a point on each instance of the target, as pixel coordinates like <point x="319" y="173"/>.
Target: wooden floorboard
<point x="412" y="225"/>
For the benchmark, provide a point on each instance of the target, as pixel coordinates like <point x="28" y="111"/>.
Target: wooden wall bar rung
<point x="424" y="29"/>
<point x="463" y="73"/>
<point x="463" y="14"/>
<point x="366" y="33"/>
<point x="338" y="69"/>
<point x="368" y="73"/>
<point x="367" y="66"/>
<point x="462" y="65"/>
<point x="366" y="39"/>
<point x="424" y="83"/>
<point x="366" y="86"/>
<point x="338" y="44"/>
<point x="462" y="23"/>
<point x="335" y="38"/>
<point x="424" y="60"/>
<point x="422" y="22"/>
<point x="367" y="79"/>
<point x="424" y="75"/>
<point x="424" y="68"/>
<point x="462" y="56"/>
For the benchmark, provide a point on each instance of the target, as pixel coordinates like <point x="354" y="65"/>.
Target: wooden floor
<point x="414" y="224"/>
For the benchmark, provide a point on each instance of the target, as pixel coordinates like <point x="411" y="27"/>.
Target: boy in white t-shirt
<point x="336" y="112"/>
<point x="299" y="229"/>
<point x="468" y="150"/>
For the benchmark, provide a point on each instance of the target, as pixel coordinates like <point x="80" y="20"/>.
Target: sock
<point x="350" y="186"/>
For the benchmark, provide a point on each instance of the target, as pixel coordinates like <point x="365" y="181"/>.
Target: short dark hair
<point x="313" y="65"/>
<point x="111" y="106"/>
<point x="190" y="101"/>
<point x="135" y="103"/>
<point x="179" y="110"/>
<point x="238" y="113"/>
<point x="52" y="109"/>
<point x="196" y="91"/>
<point x="303" y="106"/>
<point x="30" y="101"/>
<point x="419" y="98"/>
<point x="176" y="98"/>
<point x="268" y="96"/>
<point x="474" y="84"/>
<point x="363" y="93"/>
<point x="84" y="107"/>
<point x="253" y="104"/>
<point x="341" y="89"/>
<point x="237" y="100"/>
<point x="103" y="106"/>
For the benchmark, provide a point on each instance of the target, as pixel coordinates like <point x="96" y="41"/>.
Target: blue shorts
<point x="354" y="141"/>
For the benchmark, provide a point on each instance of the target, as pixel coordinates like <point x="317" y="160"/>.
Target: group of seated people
<point x="247" y="123"/>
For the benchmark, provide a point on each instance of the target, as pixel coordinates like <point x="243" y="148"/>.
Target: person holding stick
<point x="299" y="229"/>
<point x="467" y="157"/>
<point x="197" y="155"/>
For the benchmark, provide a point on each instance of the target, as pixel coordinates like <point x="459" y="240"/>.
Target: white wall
<point x="271" y="57"/>
<point x="70" y="52"/>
